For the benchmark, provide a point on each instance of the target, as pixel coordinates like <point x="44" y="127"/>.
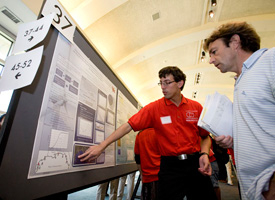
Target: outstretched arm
<point x="94" y="151"/>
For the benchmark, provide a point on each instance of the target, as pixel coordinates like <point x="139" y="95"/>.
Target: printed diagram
<point x="84" y="123"/>
<point x="59" y="139"/>
<point x="85" y="127"/>
<point x="49" y="161"/>
<point x="111" y="102"/>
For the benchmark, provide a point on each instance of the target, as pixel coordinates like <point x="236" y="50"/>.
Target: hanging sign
<point x="62" y="21"/>
<point x="19" y="70"/>
<point x="30" y="34"/>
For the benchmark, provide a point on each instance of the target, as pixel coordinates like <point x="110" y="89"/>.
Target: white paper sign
<point x="61" y="21"/>
<point x="30" y="34"/>
<point x="20" y="70"/>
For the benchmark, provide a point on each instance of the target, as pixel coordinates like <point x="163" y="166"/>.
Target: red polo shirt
<point x="146" y="147"/>
<point x="176" y="127"/>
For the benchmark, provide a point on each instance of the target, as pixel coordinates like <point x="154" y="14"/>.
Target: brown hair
<point x="250" y="40"/>
<point x="175" y="71"/>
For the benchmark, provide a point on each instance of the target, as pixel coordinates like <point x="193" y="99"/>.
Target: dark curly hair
<point x="175" y="71"/>
<point x="250" y="40"/>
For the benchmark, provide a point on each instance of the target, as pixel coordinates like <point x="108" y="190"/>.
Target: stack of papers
<point x="217" y="115"/>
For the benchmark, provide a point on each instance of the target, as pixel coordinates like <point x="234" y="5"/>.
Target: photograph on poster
<point x="84" y="123"/>
<point x="110" y="117"/>
<point x="99" y="136"/>
<point x="85" y="127"/>
<point x="100" y="115"/>
<point x="78" y="150"/>
<point x="102" y="99"/>
<point x="99" y="126"/>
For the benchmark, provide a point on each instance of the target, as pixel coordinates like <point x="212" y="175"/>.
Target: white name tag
<point x="166" y="120"/>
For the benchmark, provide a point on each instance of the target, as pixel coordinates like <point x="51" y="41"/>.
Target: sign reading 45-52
<point x="62" y="20"/>
<point x="20" y="70"/>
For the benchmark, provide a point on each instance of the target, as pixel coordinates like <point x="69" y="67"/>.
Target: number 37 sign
<point x="62" y="20"/>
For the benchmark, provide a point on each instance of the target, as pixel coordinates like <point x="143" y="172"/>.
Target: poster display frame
<point x="19" y="130"/>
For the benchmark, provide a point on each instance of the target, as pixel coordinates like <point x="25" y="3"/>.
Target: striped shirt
<point x="254" y="123"/>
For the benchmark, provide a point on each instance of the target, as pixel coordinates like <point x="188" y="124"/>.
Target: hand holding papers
<point x="216" y="116"/>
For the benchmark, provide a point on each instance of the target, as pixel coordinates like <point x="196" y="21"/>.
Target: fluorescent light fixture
<point x="211" y="14"/>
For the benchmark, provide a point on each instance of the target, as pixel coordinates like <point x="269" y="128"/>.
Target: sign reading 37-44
<point x="20" y="70"/>
<point x="31" y="33"/>
<point x="62" y="21"/>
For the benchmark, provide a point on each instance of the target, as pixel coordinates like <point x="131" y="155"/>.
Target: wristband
<point x="204" y="153"/>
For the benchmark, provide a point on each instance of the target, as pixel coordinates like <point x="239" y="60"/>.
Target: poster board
<point x="19" y="132"/>
<point x="125" y="145"/>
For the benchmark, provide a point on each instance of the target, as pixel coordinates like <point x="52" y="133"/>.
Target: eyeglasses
<point x="165" y="83"/>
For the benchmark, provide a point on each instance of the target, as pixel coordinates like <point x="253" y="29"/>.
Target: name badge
<point x="166" y="120"/>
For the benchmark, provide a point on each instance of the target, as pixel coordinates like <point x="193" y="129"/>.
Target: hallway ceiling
<point x="139" y="37"/>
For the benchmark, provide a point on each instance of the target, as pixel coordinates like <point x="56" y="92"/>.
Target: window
<point x="5" y="49"/>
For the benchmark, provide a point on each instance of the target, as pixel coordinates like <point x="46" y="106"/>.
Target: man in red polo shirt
<point x="184" y="147"/>
<point x="147" y="157"/>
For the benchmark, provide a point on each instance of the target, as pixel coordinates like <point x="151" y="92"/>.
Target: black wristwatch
<point x="204" y="153"/>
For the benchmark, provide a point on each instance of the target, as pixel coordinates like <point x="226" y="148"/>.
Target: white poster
<point x="74" y="114"/>
<point x="125" y="145"/>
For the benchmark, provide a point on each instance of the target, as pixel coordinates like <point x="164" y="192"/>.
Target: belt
<point x="182" y="156"/>
<point x="187" y="156"/>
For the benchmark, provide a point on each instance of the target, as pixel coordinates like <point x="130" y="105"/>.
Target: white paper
<point x="166" y="120"/>
<point x="30" y="34"/>
<point x="125" y="109"/>
<point x="68" y="114"/>
<point x="20" y="70"/>
<point x="59" y="139"/>
<point x="217" y="115"/>
<point x="62" y="21"/>
<point x="85" y="127"/>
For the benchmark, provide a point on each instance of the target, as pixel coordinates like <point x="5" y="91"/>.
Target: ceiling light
<point x="194" y="94"/>
<point x="202" y="56"/>
<point x="155" y="16"/>
<point x="213" y="2"/>
<point x="211" y="13"/>
<point x="197" y="78"/>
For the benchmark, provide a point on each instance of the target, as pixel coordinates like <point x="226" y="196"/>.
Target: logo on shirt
<point x="191" y="115"/>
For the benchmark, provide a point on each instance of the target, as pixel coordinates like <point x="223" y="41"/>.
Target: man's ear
<point x="180" y="83"/>
<point x="235" y="41"/>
